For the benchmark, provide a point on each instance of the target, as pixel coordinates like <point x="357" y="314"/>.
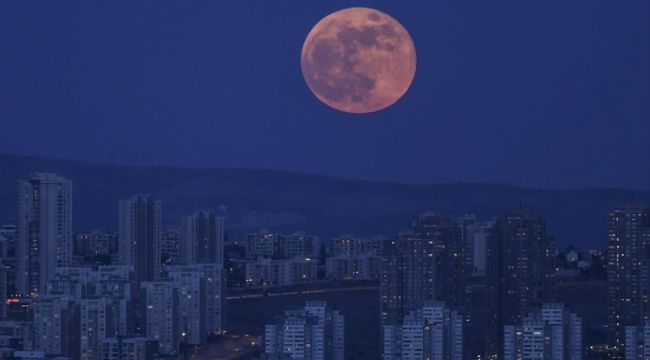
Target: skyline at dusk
<point x="324" y="180"/>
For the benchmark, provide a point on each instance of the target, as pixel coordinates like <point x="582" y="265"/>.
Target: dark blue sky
<point x="532" y="93"/>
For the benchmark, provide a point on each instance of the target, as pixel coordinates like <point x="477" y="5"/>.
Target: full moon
<point x="358" y="60"/>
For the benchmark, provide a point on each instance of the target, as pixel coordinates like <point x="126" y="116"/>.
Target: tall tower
<point x="202" y="238"/>
<point x="425" y="263"/>
<point x="519" y="272"/>
<point x="44" y="229"/>
<point x="161" y="315"/>
<point x="139" y="236"/>
<point x="201" y="304"/>
<point x="628" y="270"/>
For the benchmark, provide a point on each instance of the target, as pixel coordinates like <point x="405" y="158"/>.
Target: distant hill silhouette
<point x="325" y="206"/>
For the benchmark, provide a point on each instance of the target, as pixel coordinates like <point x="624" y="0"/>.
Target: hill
<point x="288" y="201"/>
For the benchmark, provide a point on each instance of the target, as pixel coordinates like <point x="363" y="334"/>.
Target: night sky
<point x="552" y="94"/>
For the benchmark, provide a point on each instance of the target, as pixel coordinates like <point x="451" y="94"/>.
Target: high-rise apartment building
<point x="96" y="318"/>
<point x="637" y="342"/>
<point x="191" y="289"/>
<point x="56" y="326"/>
<point x="423" y="264"/>
<point x="170" y="247"/>
<point x="519" y="272"/>
<point x="8" y="258"/>
<point x="161" y="318"/>
<point x="186" y="307"/>
<point x="202" y="238"/>
<point x="315" y="332"/>
<point x="628" y="270"/>
<point x="139" y="236"/>
<point x="433" y="332"/>
<point x="475" y="234"/>
<point x="551" y="332"/>
<point x="44" y="231"/>
<point x="201" y="304"/>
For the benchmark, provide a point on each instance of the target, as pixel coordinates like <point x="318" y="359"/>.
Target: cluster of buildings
<point x="465" y="289"/>
<point x="272" y="259"/>
<point x="449" y="288"/>
<point x="61" y="299"/>
<point x="280" y="260"/>
<point x="458" y="288"/>
<point x="353" y="258"/>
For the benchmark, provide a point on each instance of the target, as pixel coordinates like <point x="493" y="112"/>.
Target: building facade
<point x="280" y="272"/>
<point x="56" y="326"/>
<point x="365" y="266"/>
<point x="139" y="236"/>
<point x="433" y="332"/>
<point x="201" y="304"/>
<point x="628" y="271"/>
<point x="549" y="333"/>
<point x="315" y="332"/>
<point x="8" y="244"/>
<point x="424" y="263"/>
<point x="129" y="348"/>
<point x="161" y="320"/>
<point x="272" y="245"/>
<point x="44" y="231"/>
<point x="350" y="245"/>
<point x="95" y="325"/>
<point x="202" y="238"/>
<point x="519" y="272"/>
<point x="637" y="342"/>
<point x="170" y="247"/>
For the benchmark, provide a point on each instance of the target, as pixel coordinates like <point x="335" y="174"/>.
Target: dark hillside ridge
<point x="322" y="205"/>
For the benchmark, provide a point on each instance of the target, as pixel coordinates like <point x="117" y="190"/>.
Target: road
<point x="300" y="292"/>
<point x="233" y="347"/>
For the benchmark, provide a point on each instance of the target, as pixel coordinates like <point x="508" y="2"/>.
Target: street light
<point x="184" y="348"/>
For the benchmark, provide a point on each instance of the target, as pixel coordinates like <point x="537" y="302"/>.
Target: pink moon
<point x="358" y="60"/>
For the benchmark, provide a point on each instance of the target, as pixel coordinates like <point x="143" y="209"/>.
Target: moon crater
<point x="358" y="60"/>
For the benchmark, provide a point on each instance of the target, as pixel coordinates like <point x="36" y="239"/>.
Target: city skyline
<point x="448" y="288"/>
<point x="300" y="180"/>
